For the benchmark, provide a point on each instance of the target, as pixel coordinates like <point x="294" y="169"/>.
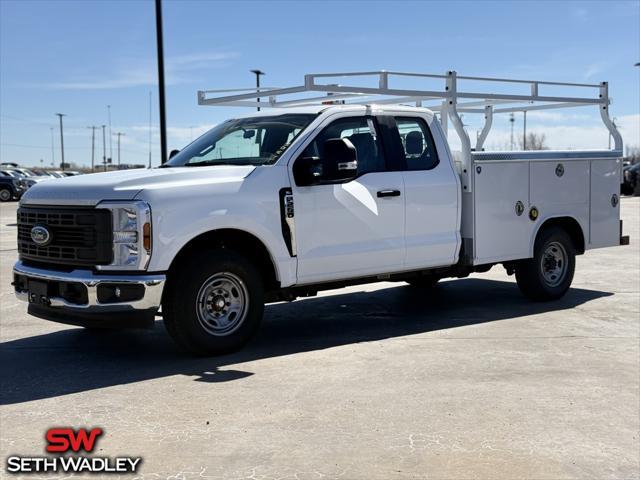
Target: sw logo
<point x="65" y="439"/>
<point x="68" y="443"/>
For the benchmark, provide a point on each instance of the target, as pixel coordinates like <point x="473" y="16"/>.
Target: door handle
<point x="388" y="193"/>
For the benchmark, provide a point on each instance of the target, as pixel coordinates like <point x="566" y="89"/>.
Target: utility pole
<point x="52" y="154"/>
<point x="104" y="148"/>
<point x="110" y="134"/>
<point x="258" y="72"/>
<point x="119" y="134"/>
<point x="524" y="136"/>
<point x="512" y="119"/>
<point x="163" y="116"/>
<point x="93" y="147"/>
<point x="150" y="123"/>
<point x="60" y="115"/>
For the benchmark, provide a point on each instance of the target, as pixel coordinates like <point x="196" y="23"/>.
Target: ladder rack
<point x="449" y="101"/>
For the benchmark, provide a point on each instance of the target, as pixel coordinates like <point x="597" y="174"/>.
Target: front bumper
<point x="84" y="297"/>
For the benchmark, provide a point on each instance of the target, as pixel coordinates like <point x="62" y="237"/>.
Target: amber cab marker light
<point x="146" y="237"/>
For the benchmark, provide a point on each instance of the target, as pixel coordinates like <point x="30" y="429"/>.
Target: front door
<point x="354" y="228"/>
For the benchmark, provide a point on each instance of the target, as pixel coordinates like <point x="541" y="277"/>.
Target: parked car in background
<point x="10" y="188"/>
<point x="70" y="173"/>
<point x="631" y="180"/>
<point x="29" y="177"/>
<point x="10" y="173"/>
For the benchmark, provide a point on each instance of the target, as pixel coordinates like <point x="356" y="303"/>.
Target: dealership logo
<point x="40" y="235"/>
<point x="68" y="443"/>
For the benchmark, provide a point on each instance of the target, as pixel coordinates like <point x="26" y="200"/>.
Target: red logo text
<point x="64" y="439"/>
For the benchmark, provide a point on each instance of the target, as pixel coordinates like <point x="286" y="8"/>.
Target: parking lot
<point x="371" y="382"/>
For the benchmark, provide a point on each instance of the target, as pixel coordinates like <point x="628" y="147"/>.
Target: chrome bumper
<point x="152" y="285"/>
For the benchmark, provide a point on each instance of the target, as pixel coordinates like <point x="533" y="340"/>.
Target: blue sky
<point x="77" y="57"/>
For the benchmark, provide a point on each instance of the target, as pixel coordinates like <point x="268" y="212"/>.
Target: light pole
<point x="512" y="120"/>
<point x="110" y="134"/>
<point x="93" y="146"/>
<point x="150" y="124"/>
<point x="104" y="148"/>
<point x="258" y="72"/>
<point x="163" y="117"/>
<point x="52" y="154"/>
<point x="119" y="134"/>
<point x="60" y="115"/>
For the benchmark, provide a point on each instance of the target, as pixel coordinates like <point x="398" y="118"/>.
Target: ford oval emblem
<point x="40" y="235"/>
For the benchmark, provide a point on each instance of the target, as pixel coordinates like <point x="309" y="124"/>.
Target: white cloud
<point x="180" y="135"/>
<point x="144" y="73"/>
<point x="594" y="69"/>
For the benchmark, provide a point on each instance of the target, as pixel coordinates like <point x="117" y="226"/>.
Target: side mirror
<point x="339" y="163"/>
<point x="173" y="153"/>
<point x="340" y="160"/>
<point x="307" y="171"/>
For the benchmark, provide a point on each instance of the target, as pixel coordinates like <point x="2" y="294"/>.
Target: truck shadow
<point x="76" y="360"/>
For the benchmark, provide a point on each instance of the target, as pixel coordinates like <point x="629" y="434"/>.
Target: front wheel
<point x="548" y="275"/>
<point x="5" y="195"/>
<point x="214" y="303"/>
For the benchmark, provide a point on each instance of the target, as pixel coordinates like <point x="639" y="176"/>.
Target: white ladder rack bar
<point x="449" y="107"/>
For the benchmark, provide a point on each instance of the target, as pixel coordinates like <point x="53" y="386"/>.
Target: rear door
<point x="431" y="194"/>
<point x="354" y="228"/>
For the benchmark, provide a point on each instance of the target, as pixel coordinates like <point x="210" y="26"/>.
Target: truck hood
<point x="127" y="184"/>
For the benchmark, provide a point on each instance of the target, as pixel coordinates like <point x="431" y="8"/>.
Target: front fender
<point x="250" y="205"/>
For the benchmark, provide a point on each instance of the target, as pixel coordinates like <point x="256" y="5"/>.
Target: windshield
<point x="244" y="141"/>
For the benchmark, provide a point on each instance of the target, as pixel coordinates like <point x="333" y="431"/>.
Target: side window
<point x="419" y="150"/>
<point x="361" y="132"/>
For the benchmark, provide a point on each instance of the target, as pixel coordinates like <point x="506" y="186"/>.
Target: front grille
<point x="78" y="236"/>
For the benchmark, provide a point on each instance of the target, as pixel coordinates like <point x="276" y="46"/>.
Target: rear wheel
<point x="5" y="195"/>
<point x="214" y="303"/>
<point x="548" y="275"/>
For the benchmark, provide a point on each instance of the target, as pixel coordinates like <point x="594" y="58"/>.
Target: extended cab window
<point x="417" y="142"/>
<point x="361" y="132"/>
<point x="246" y="141"/>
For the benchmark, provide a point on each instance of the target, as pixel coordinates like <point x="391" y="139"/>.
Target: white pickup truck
<point x="321" y="193"/>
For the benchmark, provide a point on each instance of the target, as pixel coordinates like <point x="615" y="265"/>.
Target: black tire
<point x="548" y="275"/>
<point x="5" y="194"/>
<point x="189" y="312"/>
<point x="424" y="282"/>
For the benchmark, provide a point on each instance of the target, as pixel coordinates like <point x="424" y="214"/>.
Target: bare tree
<point x="535" y="141"/>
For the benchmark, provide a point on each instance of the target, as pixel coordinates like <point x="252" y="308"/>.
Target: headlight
<point x="131" y="223"/>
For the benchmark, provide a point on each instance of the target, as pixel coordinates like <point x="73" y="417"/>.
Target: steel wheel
<point x="553" y="264"/>
<point x="222" y="304"/>
<point x="5" y="195"/>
